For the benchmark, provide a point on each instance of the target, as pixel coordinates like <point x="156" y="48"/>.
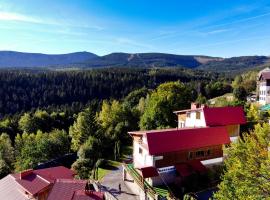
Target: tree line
<point x="24" y="90"/>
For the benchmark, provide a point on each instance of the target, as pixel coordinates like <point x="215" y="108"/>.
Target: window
<point x="198" y="115"/>
<point x="190" y="155"/>
<point x="199" y="153"/>
<point x="208" y="153"/>
<point x="188" y="115"/>
<point x="140" y="150"/>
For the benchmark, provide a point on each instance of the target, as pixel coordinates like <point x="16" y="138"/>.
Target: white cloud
<point x="217" y="31"/>
<point x="9" y="16"/>
<point x="12" y="16"/>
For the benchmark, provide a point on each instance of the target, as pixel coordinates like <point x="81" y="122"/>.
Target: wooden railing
<point x="140" y="181"/>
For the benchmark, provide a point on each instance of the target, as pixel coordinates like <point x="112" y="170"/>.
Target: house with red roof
<point x="171" y="155"/>
<point x="264" y="86"/>
<point x="70" y="189"/>
<point x="45" y="184"/>
<point x="203" y="116"/>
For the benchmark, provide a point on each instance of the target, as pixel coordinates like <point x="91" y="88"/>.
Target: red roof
<point x="55" y="173"/>
<point x="185" y="139"/>
<point x="82" y="195"/>
<point x="222" y="116"/>
<point x="34" y="181"/>
<point x="148" y="172"/>
<point x="67" y="189"/>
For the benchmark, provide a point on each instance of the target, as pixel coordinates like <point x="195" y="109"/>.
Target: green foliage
<point x="253" y="114"/>
<point x="247" y="174"/>
<point x="215" y="89"/>
<point x="246" y="80"/>
<point x="6" y="155"/>
<point x="84" y="126"/>
<point x="201" y="99"/>
<point x="240" y="93"/>
<point x="89" y="153"/>
<point x="32" y="149"/>
<point x="167" y="98"/>
<point x="42" y="120"/>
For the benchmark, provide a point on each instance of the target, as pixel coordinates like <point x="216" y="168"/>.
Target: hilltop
<point x="12" y="59"/>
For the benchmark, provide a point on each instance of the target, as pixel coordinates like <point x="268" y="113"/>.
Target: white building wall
<point x="142" y="159"/>
<point x="264" y="94"/>
<point x="193" y="122"/>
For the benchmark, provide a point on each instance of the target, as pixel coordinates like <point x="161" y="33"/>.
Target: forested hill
<point x="12" y="59"/>
<point x="19" y="59"/>
<point x="86" y="59"/>
<point x="148" y="60"/>
<point x="23" y="90"/>
<point x="236" y="64"/>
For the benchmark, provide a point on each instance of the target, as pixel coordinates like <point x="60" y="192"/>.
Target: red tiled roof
<point x="36" y="180"/>
<point x="148" y="172"/>
<point x="33" y="183"/>
<point x="82" y="195"/>
<point x="55" y="173"/>
<point x="222" y="116"/>
<point x="67" y="189"/>
<point x="185" y="139"/>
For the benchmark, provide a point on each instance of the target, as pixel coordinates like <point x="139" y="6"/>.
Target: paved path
<point x="111" y="183"/>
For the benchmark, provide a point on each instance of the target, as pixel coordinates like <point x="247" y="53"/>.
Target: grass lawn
<point x="112" y="164"/>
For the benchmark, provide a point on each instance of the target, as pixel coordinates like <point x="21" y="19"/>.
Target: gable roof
<point x="222" y="116"/>
<point x="185" y="139"/>
<point x="67" y="189"/>
<point x="264" y="75"/>
<point x="34" y="181"/>
<point x="10" y="189"/>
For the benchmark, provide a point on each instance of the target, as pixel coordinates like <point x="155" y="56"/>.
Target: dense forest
<point x="89" y="113"/>
<point x="23" y="90"/>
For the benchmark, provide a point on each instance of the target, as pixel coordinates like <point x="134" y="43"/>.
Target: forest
<point x="93" y="124"/>
<point x="23" y="90"/>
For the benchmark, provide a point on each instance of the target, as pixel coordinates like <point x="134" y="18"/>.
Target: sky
<point x="223" y="28"/>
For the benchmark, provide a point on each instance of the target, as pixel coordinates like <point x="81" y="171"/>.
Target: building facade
<point x="171" y="155"/>
<point x="263" y="86"/>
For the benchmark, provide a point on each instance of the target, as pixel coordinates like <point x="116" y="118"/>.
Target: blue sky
<point x="203" y="27"/>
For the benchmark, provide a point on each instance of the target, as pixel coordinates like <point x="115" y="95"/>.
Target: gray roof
<point x="10" y="189"/>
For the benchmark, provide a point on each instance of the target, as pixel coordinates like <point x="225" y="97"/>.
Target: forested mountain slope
<point x="22" y="90"/>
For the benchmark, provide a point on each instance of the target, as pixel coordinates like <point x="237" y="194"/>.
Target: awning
<point x="183" y="169"/>
<point x="148" y="172"/>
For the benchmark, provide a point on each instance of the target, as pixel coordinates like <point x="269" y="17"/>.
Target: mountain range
<point x="12" y="59"/>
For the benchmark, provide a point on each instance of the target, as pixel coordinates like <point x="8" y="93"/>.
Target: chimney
<point x="26" y="173"/>
<point x="195" y="106"/>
